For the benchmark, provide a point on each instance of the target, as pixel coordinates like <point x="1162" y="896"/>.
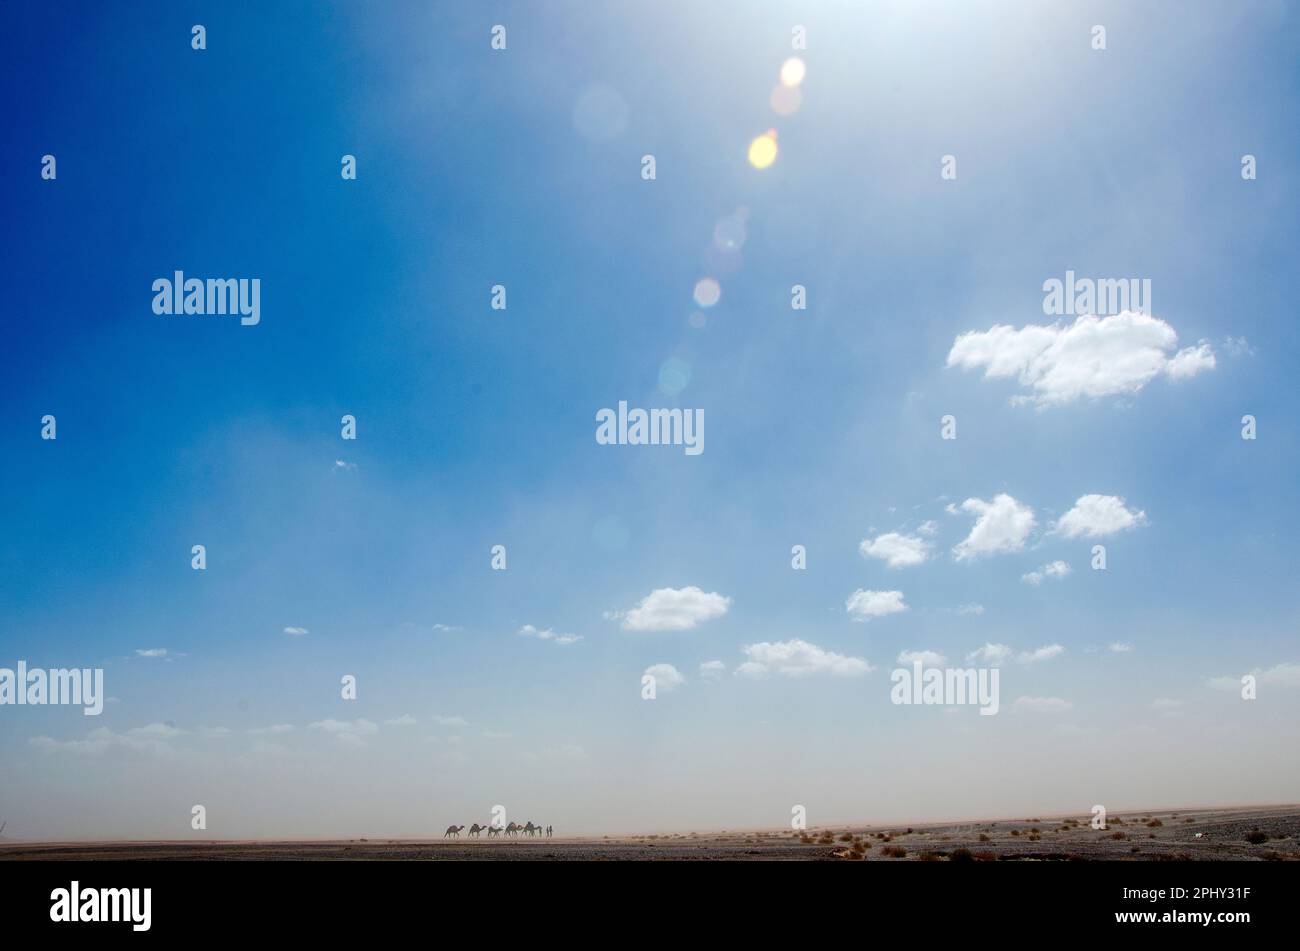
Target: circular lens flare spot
<point x="793" y="71"/>
<point x="707" y="292"/>
<point x="762" y="151"/>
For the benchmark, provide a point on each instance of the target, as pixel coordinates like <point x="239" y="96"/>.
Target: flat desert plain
<point x="1257" y="833"/>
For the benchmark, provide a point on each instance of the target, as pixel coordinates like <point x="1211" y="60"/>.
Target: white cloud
<point x="895" y="550"/>
<point x="451" y="721"/>
<point x="153" y="738"/>
<point x="1093" y="357"/>
<point x="445" y="628"/>
<point x="675" y="609"/>
<point x="274" y="730"/>
<point x="864" y="605"/>
<point x="1000" y="526"/>
<point x="345" y="466"/>
<point x="151" y="652"/>
<point x="712" y="669"/>
<point x="549" y="635"/>
<point x="972" y="608"/>
<point x="347" y="732"/>
<point x="1043" y="653"/>
<point x="404" y="720"/>
<point x="1042" y="704"/>
<point x="1118" y="647"/>
<point x="926" y="658"/>
<point x="796" y="658"/>
<point x="1057" y="569"/>
<point x="1281" y="675"/>
<point x="929" y="528"/>
<point x="995" y="655"/>
<point x="1096" y="516"/>
<point x="667" y="677"/>
<point x="295" y="631"/>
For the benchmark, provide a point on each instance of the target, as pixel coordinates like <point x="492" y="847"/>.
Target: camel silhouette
<point x="452" y="832"/>
<point x="493" y="830"/>
<point x="476" y="829"/>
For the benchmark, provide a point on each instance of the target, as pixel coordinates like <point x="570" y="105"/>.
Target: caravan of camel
<point x="512" y="830"/>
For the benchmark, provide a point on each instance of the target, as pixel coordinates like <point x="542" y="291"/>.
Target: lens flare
<point x="793" y="71"/>
<point x="707" y="292"/>
<point x="762" y="151"/>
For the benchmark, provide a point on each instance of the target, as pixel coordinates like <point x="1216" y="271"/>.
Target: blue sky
<point x="476" y="427"/>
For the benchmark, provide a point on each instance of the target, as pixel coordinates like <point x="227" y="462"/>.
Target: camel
<point x="530" y="829"/>
<point x="452" y="832"/>
<point x="476" y="829"/>
<point x="493" y="830"/>
<point x="513" y="829"/>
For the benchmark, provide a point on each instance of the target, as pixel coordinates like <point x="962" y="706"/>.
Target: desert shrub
<point x="1119" y="835"/>
<point x="1155" y="824"/>
<point x="893" y="851"/>
<point x="847" y="837"/>
<point x="961" y="855"/>
<point x="1256" y="836"/>
<point x="984" y="838"/>
<point x="1015" y="832"/>
<point x="986" y="856"/>
<point x="929" y="856"/>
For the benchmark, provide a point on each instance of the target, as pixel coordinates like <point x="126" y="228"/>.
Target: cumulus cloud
<point x="925" y="658"/>
<point x="1281" y="675"/>
<point x="1057" y="569"/>
<point x="1001" y="525"/>
<point x="347" y="732"/>
<point x="1043" y="653"/>
<point x="674" y="609"/>
<point x="1095" y="516"/>
<point x="895" y="550"/>
<point x="1041" y="704"/>
<point x="1093" y="357"/>
<point x="667" y="677"/>
<point x="864" y="605"/>
<point x="993" y="655"/>
<point x="796" y="658"/>
<point x="153" y="739"/>
<point x="712" y="669"/>
<point x="548" y="634"/>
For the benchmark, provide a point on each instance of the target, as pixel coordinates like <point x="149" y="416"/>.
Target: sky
<point x="935" y="166"/>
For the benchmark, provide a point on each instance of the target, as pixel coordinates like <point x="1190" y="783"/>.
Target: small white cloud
<point x="865" y="605"/>
<point x="1057" y="569"/>
<point x="445" y="628"/>
<point x="339" y="464"/>
<point x="347" y="732"/>
<point x="929" y="528"/>
<point x="675" y="609"/>
<point x="925" y="658"/>
<point x="797" y="658"/>
<point x="972" y="608"/>
<point x="1238" y="347"/>
<point x="451" y="721"/>
<point x="1281" y="675"/>
<point x="1091" y="358"/>
<point x="151" y="652"/>
<point x="274" y="730"/>
<point x="296" y="631"/>
<point x="994" y="655"/>
<point x="1043" y="653"/>
<point x="404" y="720"/>
<point x="667" y="677"/>
<point x="548" y="634"/>
<point x="712" y="669"/>
<point x="1001" y="525"/>
<point x="895" y="550"/>
<point x="1042" y="704"/>
<point x="1095" y="516"/>
<point x="1118" y="647"/>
